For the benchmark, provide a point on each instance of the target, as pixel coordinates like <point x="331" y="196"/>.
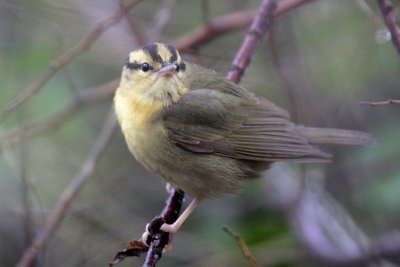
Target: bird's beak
<point x="167" y="70"/>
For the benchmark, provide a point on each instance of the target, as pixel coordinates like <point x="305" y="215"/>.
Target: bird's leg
<point x="173" y="228"/>
<point x="145" y="235"/>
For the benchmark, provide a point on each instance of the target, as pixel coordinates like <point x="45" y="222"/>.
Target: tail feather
<point x="336" y="136"/>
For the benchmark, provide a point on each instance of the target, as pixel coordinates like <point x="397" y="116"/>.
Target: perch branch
<point x="160" y="239"/>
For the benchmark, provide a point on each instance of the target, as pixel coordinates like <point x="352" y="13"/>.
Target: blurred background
<point x="318" y="61"/>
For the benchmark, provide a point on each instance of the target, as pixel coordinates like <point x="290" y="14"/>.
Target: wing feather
<point x="237" y="125"/>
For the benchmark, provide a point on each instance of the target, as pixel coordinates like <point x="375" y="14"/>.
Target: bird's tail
<point x="336" y="136"/>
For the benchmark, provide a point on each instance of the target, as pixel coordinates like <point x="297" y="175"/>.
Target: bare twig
<point x="390" y="21"/>
<point x="75" y="51"/>
<point x="215" y="28"/>
<point x="228" y="23"/>
<point x="258" y="28"/>
<point x="58" y="212"/>
<point x="81" y="101"/>
<point x="243" y="247"/>
<point x="381" y="103"/>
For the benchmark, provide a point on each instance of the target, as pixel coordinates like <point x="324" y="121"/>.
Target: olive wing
<point x="236" y="125"/>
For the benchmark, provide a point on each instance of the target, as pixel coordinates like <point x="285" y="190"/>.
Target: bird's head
<point x="154" y="73"/>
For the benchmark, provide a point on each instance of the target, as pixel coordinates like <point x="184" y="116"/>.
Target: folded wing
<point x="239" y="125"/>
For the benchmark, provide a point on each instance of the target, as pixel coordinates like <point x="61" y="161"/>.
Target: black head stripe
<point x="182" y="66"/>
<point x="152" y="51"/>
<point x="132" y="65"/>
<point x="174" y="54"/>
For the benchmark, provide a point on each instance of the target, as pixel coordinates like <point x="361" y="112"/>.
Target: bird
<point x="204" y="134"/>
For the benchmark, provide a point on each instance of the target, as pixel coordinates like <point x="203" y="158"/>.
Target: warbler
<point x="205" y="134"/>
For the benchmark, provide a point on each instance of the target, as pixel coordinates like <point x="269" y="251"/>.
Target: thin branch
<point x="75" y="51"/>
<point x="243" y="247"/>
<point x="391" y="22"/>
<point x="258" y="28"/>
<point x="228" y="23"/>
<point x="58" y="212"/>
<point x="381" y="103"/>
<point x="82" y="101"/>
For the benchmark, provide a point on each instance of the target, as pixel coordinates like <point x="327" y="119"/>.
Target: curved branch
<point x="228" y="23"/>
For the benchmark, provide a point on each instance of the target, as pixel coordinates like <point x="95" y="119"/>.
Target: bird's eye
<point x="177" y="67"/>
<point x="145" y="67"/>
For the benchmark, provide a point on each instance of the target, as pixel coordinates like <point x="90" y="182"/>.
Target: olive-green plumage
<point x="203" y="133"/>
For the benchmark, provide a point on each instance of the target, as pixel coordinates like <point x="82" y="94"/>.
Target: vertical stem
<point x="258" y="28"/>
